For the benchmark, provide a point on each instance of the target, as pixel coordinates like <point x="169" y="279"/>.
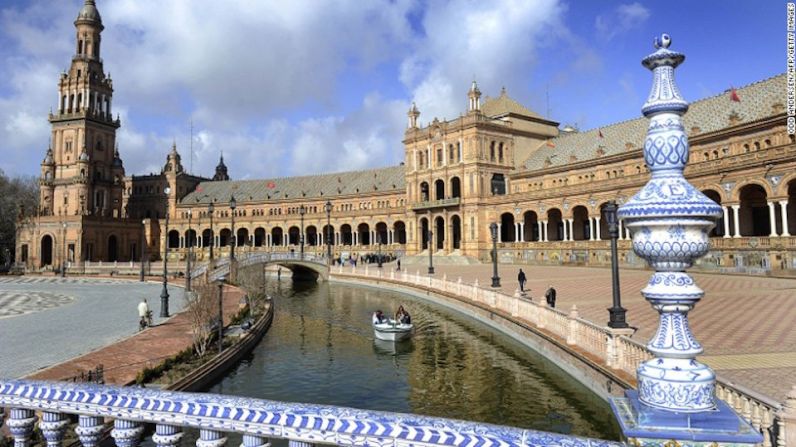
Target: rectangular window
<point x="472" y="228"/>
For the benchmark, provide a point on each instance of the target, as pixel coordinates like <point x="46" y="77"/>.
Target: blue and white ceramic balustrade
<point x="670" y="221"/>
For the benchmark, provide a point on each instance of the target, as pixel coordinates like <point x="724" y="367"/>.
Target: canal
<point x="321" y="349"/>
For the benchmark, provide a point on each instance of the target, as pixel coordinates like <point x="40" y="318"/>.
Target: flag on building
<point x="734" y="95"/>
<point x="600" y="133"/>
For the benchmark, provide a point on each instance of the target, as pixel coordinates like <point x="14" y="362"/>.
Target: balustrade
<point x="257" y="420"/>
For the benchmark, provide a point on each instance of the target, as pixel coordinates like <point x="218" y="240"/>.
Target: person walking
<point x="550" y="296"/>
<point x="399" y="265"/>
<point x="522" y="279"/>
<point x="144" y="318"/>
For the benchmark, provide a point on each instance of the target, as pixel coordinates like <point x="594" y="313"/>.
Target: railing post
<point x="292" y="443"/>
<point x="167" y="435"/>
<point x="615" y="357"/>
<point x="126" y="433"/>
<point x="787" y="421"/>
<point x="53" y="425"/>
<point x="255" y="441"/>
<point x="89" y="430"/>
<point x="20" y="425"/>
<point x="572" y="335"/>
<point x="210" y="438"/>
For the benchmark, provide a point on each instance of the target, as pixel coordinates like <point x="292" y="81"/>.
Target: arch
<point x="555" y="225"/>
<point x="715" y="196"/>
<point x="507" y="233"/>
<point x="311" y="235"/>
<point x="456" y="231"/>
<point x="456" y="187"/>
<point x="531" y="230"/>
<point x="439" y="190"/>
<point x="736" y="193"/>
<point x="113" y="247"/>
<point x="224" y="237"/>
<point x="328" y="234"/>
<point x="399" y="232"/>
<point x="190" y="238"/>
<point x="381" y="233"/>
<point x="439" y="234"/>
<point x="46" y="257"/>
<point x="276" y="236"/>
<point x="207" y="238"/>
<point x="174" y="239"/>
<point x="242" y="237"/>
<point x="424" y="192"/>
<point x="424" y="232"/>
<point x="293" y="234"/>
<point x="581" y="224"/>
<point x="259" y="236"/>
<point x="363" y="234"/>
<point x="753" y="214"/>
<point x="346" y="235"/>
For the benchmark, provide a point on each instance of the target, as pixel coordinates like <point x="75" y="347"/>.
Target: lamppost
<point x="63" y="254"/>
<point x="616" y="312"/>
<point x="302" y="212"/>
<point x="143" y="248"/>
<point x="234" y="239"/>
<point x="493" y="229"/>
<point x="378" y="241"/>
<point x="430" y="252"/>
<point x="188" y="258"/>
<point x="328" y="208"/>
<point x="164" y="294"/>
<point x="221" y="313"/>
<point x="210" y="210"/>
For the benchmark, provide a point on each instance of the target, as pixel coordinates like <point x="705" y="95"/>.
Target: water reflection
<point x="321" y="349"/>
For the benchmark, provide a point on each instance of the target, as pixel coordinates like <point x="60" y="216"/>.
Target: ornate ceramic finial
<point x="670" y="221"/>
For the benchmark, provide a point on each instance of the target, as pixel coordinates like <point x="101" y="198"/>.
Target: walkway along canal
<point x="321" y="349"/>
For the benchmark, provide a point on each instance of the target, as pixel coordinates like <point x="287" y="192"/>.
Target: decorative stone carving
<point x="167" y="435"/>
<point x="670" y="221"/>
<point x="52" y="427"/>
<point x="20" y="425"/>
<point x="126" y="433"/>
<point x="89" y="430"/>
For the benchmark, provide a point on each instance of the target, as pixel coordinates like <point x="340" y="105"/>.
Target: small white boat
<point x="392" y="330"/>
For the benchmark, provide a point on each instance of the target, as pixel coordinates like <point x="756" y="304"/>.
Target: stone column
<point x="544" y="227"/>
<point x="569" y="233"/>
<point x="499" y="233"/>
<point x="126" y="433"/>
<point x="522" y="232"/>
<point x="53" y="426"/>
<point x="89" y="430"/>
<point x="597" y="228"/>
<point x="210" y="438"/>
<point x="166" y="435"/>
<point x="784" y="206"/>
<point x="772" y="219"/>
<point x="735" y="221"/>
<point x="726" y="211"/>
<point x="20" y="425"/>
<point x="591" y="228"/>
<point x="621" y="230"/>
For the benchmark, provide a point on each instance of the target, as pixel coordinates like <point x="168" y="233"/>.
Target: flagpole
<point x="191" y="147"/>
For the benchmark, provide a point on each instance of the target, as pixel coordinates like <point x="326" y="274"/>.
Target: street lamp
<point x="210" y="210"/>
<point x="143" y="247"/>
<point x="378" y="240"/>
<point x="164" y="294"/>
<point x="234" y="240"/>
<point x="616" y="312"/>
<point x="190" y="253"/>
<point x="493" y="229"/>
<point x="302" y="212"/>
<point x="328" y="208"/>
<point x="63" y="254"/>
<point x="221" y="313"/>
<point x="430" y="252"/>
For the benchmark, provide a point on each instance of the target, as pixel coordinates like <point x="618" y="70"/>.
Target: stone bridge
<point x="303" y="265"/>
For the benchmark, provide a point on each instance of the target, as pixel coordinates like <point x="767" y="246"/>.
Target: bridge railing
<point x="613" y="347"/>
<point x="257" y="420"/>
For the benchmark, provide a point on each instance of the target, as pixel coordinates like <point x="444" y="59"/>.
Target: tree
<point x="202" y="308"/>
<point x="17" y="195"/>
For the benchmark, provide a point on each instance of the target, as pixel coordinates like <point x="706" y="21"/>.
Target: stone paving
<point x="47" y="320"/>
<point x="745" y="323"/>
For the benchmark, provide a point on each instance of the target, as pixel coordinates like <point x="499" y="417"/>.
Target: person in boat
<point x="402" y="316"/>
<point x="378" y="317"/>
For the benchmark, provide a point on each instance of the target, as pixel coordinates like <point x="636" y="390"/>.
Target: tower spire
<point x="413" y="114"/>
<point x="474" y="97"/>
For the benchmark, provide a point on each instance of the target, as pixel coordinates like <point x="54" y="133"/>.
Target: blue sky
<point x="302" y="87"/>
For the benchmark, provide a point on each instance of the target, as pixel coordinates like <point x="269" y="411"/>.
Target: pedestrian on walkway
<point x="522" y="279"/>
<point x="279" y="273"/>
<point x="399" y="265"/>
<point x="550" y="296"/>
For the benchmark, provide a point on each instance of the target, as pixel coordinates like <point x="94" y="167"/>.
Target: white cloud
<point x="625" y="17"/>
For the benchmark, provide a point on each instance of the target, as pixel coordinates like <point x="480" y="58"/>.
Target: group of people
<point x="401" y="316"/>
<point x="550" y="294"/>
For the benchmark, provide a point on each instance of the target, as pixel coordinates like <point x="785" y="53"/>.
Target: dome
<point x="89" y="12"/>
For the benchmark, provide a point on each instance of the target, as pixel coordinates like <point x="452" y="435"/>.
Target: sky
<point x="303" y="87"/>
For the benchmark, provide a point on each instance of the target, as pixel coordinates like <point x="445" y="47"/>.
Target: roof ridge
<point x="327" y="174"/>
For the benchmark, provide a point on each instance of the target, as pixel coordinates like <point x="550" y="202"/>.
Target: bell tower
<point x="86" y="173"/>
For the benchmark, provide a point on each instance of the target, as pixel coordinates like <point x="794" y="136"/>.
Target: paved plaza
<point x="48" y="320"/>
<point x="745" y="323"/>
